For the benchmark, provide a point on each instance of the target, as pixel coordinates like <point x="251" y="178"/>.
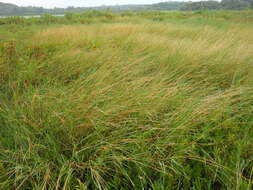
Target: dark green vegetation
<point x="13" y="10"/>
<point x="215" y="5"/>
<point x="149" y="100"/>
<point x="202" y="5"/>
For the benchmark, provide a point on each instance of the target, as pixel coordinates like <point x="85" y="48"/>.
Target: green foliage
<point x="148" y="100"/>
<point x="70" y="16"/>
<point x="48" y="18"/>
<point x="235" y="4"/>
<point x="15" y="20"/>
<point x="89" y="17"/>
<point x="7" y="9"/>
<point x="202" y="5"/>
<point x="224" y="4"/>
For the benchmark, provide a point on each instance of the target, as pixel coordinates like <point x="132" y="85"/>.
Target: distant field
<point x="145" y="101"/>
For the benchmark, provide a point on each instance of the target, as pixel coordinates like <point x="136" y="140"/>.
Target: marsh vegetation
<point x="149" y="100"/>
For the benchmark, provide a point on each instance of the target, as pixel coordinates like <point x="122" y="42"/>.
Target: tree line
<point x="7" y="9"/>
<point x="215" y="5"/>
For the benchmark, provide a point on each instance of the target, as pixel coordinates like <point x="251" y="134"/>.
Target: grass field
<point x="145" y="101"/>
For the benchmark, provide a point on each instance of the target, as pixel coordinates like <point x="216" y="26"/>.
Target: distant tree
<point x="225" y="4"/>
<point x="202" y="5"/>
<point x="7" y="9"/>
<point x="171" y="5"/>
<point x="236" y="4"/>
<point x="250" y="2"/>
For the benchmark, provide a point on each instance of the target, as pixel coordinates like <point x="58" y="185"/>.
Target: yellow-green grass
<point x="134" y="104"/>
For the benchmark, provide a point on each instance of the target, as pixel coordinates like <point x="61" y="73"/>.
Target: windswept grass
<point x="127" y="105"/>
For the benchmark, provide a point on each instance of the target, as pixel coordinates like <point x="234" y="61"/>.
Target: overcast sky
<point x="80" y="3"/>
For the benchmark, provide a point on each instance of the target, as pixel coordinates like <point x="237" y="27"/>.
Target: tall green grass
<point x="133" y="104"/>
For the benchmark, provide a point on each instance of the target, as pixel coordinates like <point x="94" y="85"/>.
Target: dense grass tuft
<point x="137" y="103"/>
